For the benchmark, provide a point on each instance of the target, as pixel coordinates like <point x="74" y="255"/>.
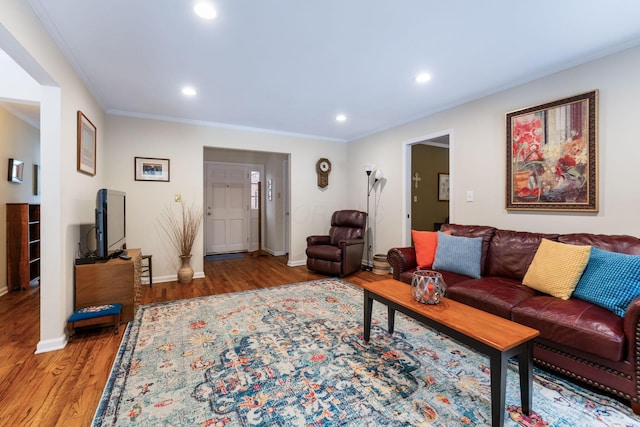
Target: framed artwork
<point x="36" y="179"/>
<point x="86" y="145"/>
<point x="443" y="187"/>
<point x="151" y="169"/>
<point x="552" y="156"/>
<point x="16" y="171"/>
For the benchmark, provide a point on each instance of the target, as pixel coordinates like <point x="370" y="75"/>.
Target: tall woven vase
<point x="185" y="272"/>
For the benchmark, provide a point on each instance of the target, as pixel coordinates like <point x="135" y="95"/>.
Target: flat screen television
<point x="111" y="212"/>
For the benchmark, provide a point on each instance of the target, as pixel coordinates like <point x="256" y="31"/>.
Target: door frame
<point x="406" y="181"/>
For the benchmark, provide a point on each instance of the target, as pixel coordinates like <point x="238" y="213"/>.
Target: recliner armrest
<point x="318" y="240"/>
<point x="401" y="259"/>
<point x="350" y="242"/>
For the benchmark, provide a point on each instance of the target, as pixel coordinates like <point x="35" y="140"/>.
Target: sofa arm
<point x="632" y="330"/>
<point x="318" y="240"/>
<point x="401" y="259"/>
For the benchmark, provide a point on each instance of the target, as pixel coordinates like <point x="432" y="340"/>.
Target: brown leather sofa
<point x="577" y="338"/>
<point x="340" y="252"/>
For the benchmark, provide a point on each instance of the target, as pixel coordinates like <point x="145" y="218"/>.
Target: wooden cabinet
<point x="23" y="245"/>
<point x="110" y="282"/>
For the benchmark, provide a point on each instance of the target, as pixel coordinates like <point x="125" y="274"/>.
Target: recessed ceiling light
<point x="188" y="91"/>
<point x="205" y="10"/>
<point x="423" y="78"/>
<point x="341" y="118"/>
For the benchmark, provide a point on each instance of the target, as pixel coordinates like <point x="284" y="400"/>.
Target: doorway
<point x="430" y="185"/>
<point x="268" y="171"/>
<point x="435" y="148"/>
<point x="227" y="217"/>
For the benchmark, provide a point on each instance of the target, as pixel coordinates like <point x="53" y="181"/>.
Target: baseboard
<point x="51" y="345"/>
<point x="4" y="291"/>
<point x="172" y="278"/>
<point x="297" y="263"/>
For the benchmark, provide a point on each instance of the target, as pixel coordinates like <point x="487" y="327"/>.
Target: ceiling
<point x="291" y="66"/>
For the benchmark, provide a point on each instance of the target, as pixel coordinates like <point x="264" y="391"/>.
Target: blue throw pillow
<point x="611" y="280"/>
<point x="458" y="254"/>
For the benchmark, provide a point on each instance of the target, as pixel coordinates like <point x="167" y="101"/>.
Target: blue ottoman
<point x="95" y="315"/>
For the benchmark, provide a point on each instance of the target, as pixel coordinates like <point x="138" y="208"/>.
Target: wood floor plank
<point x="63" y="388"/>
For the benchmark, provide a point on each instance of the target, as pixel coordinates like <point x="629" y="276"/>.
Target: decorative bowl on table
<point x="428" y="286"/>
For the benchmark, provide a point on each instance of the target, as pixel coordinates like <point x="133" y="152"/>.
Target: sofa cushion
<point x="425" y="243"/>
<point x="458" y="254"/>
<point x="556" y="268"/>
<point x="483" y="231"/>
<point x="611" y="280"/>
<point x="496" y="295"/>
<point x="511" y="252"/>
<point x="573" y="323"/>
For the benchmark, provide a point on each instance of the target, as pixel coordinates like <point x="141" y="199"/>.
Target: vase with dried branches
<point x="182" y="232"/>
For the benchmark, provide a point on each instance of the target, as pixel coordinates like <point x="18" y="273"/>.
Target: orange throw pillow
<point x="425" y="243"/>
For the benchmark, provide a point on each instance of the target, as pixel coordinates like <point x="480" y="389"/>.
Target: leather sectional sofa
<point x="578" y="339"/>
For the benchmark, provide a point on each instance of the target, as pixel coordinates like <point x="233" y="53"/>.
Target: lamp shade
<point x="379" y="174"/>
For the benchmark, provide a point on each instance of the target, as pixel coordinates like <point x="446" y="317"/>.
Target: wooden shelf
<point x="23" y="245"/>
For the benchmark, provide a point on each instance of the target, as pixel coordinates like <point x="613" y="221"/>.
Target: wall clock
<point x="323" y="167"/>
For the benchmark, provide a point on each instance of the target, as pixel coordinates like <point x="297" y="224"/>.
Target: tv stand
<point x="110" y="281"/>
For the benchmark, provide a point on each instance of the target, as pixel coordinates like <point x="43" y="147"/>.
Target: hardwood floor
<point x="63" y="388"/>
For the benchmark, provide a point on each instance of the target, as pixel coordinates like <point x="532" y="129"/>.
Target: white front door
<point x="227" y="208"/>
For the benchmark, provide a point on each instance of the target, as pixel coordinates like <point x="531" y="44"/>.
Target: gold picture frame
<point x="552" y="156"/>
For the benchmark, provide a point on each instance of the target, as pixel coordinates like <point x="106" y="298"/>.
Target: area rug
<point x="294" y="355"/>
<point x="222" y="257"/>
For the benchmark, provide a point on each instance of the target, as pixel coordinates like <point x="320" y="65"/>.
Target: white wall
<point x="61" y="94"/>
<point x="478" y="154"/>
<point x="18" y="140"/>
<point x="183" y="144"/>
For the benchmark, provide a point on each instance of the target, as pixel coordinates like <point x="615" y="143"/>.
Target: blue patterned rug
<point x="294" y="356"/>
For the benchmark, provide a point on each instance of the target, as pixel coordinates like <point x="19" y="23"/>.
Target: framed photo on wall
<point x="552" y="156"/>
<point x="443" y="187"/>
<point x="86" y="145"/>
<point x="151" y="169"/>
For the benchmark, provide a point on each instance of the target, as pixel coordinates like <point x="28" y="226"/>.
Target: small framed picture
<point x="151" y="169"/>
<point x="443" y="187"/>
<point x="86" y="145"/>
<point x="16" y="170"/>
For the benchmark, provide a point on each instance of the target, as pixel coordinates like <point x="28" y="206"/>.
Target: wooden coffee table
<point x="498" y="338"/>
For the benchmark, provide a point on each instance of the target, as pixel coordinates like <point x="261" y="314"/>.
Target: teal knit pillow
<point x="611" y="280"/>
<point x="458" y="254"/>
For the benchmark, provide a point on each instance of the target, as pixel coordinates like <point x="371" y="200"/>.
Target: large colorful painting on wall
<point x="552" y="156"/>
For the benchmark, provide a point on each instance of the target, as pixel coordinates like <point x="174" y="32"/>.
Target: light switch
<point x="470" y="196"/>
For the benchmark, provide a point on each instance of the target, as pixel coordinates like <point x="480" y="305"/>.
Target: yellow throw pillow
<point x="556" y="268"/>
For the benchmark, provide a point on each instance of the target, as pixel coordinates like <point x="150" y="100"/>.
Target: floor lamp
<point x="376" y="177"/>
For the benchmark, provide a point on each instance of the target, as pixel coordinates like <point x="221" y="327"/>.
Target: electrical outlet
<point x="177" y="198"/>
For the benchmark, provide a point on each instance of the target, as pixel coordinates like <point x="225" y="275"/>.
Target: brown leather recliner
<point x="339" y="253"/>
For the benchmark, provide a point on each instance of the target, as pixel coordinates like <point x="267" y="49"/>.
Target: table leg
<point x="498" y="388"/>
<point x="525" y="369"/>
<point x="368" y="306"/>
<point x="391" y="317"/>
